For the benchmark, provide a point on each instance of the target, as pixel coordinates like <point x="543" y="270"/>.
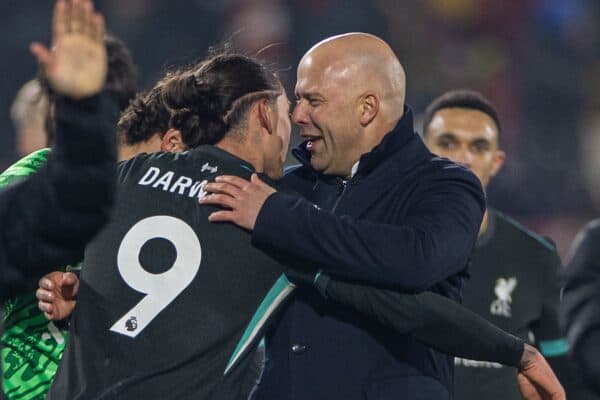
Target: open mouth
<point x="312" y="142"/>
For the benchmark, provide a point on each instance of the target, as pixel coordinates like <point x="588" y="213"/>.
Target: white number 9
<point x="160" y="289"/>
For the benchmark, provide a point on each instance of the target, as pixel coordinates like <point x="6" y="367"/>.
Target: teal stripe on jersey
<point x="542" y="240"/>
<point x="554" y="348"/>
<point x="278" y="293"/>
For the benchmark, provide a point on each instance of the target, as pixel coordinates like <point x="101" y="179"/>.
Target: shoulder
<point x="445" y="169"/>
<point x="586" y="244"/>
<point x="444" y="177"/>
<point x="24" y="167"/>
<point x="534" y="246"/>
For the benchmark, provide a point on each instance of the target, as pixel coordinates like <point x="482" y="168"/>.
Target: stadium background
<point x="537" y="60"/>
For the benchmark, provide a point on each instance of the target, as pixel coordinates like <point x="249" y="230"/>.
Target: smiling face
<point x="327" y="115"/>
<point x="468" y="137"/>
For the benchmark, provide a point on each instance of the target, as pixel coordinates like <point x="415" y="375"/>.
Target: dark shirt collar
<point x="219" y="153"/>
<point x="391" y="144"/>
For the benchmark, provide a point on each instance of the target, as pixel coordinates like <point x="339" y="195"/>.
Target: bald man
<point x="377" y="208"/>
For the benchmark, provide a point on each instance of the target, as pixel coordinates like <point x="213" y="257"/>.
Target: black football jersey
<point x="513" y="284"/>
<point x="171" y="306"/>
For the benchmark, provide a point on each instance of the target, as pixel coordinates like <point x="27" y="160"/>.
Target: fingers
<point x="60" y="20"/>
<point x="224" y="188"/>
<point x="222" y="216"/>
<point x="256" y="180"/>
<point x="44" y="295"/>
<point x="46" y="283"/>
<point x="69" y="279"/>
<point x="86" y="18"/>
<point x="76" y="12"/>
<point x="70" y="286"/>
<point x="78" y="17"/>
<point x="47" y="309"/>
<point x="222" y="200"/>
<point x="42" y="55"/>
<point x="233" y="180"/>
<point x="98" y="28"/>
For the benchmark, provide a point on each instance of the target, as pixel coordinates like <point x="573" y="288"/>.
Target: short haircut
<point x="462" y="98"/>
<point x="146" y="115"/>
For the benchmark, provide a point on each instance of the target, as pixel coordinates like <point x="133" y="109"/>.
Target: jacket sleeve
<point x="47" y="219"/>
<point x="581" y="304"/>
<point x="434" y="320"/>
<point x="432" y="242"/>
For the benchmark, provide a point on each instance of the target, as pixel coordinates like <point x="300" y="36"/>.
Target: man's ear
<point x="499" y="159"/>
<point x="266" y="115"/>
<point x="172" y="142"/>
<point x="369" y="107"/>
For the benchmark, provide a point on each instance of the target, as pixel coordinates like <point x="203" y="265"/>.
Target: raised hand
<point x="76" y="65"/>
<point x="57" y="294"/>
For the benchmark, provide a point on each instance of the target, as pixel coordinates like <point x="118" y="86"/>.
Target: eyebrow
<point x="307" y="95"/>
<point x="447" y="135"/>
<point x="482" y="141"/>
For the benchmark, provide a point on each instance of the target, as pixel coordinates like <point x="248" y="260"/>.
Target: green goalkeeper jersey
<point x="32" y="346"/>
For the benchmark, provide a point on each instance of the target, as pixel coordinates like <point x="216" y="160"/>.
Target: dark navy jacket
<point x="406" y="220"/>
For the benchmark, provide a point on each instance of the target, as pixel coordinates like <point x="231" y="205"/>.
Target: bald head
<point x="350" y="93"/>
<point x="361" y="62"/>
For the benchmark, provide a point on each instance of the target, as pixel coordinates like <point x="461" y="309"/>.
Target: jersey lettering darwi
<point x="170" y="305"/>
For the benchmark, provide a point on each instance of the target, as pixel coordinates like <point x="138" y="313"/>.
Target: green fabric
<point x="31" y="345"/>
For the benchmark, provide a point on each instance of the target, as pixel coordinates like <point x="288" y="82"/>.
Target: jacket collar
<point x="392" y="144"/>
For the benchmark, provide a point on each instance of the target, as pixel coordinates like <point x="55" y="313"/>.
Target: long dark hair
<point x="212" y="97"/>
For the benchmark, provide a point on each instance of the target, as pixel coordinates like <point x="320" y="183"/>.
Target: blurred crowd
<point x="537" y="60"/>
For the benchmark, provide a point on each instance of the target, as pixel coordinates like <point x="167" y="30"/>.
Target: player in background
<point x="31" y="346"/>
<point x="193" y="341"/>
<point x="47" y="218"/>
<point x="513" y="274"/>
<point x="28" y="113"/>
<point x="581" y="304"/>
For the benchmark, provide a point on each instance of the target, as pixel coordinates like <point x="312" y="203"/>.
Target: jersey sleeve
<point x="432" y="319"/>
<point x="48" y="217"/>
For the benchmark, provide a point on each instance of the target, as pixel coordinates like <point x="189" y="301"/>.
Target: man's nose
<point x="464" y="157"/>
<point x="299" y="115"/>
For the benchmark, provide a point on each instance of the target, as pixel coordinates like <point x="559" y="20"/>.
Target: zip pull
<point x="342" y="187"/>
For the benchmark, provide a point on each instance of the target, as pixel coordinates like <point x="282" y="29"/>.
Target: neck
<point x="484" y="223"/>
<point x="242" y="150"/>
<point x="128" y="151"/>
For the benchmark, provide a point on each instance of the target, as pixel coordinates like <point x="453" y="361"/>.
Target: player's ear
<point x="499" y="158"/>
<point x="172" y="141"/>
<point x="266" y="115"/>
